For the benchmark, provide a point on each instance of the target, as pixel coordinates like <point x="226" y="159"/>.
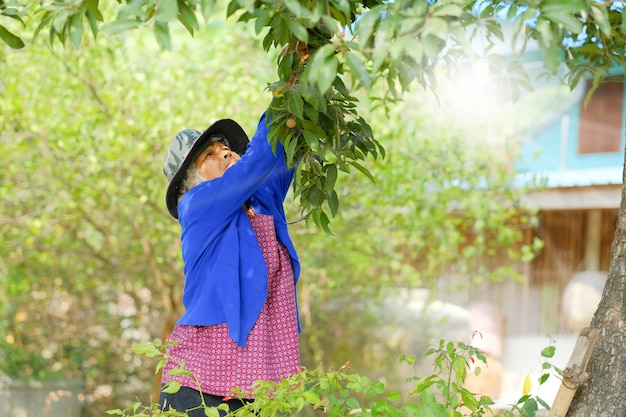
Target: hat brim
<point x="237" y="139"/>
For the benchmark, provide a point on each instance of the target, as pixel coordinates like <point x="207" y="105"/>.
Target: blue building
<point x="579" y="152"/>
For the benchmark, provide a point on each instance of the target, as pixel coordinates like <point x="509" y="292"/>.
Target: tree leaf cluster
<point x="330" y="50"/>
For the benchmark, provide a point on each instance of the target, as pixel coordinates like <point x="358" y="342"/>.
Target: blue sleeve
<point x="276" y="187"/>
<point x="280" y="179"/>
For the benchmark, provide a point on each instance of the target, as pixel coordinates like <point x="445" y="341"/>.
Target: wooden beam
<point x="574" y="374"/>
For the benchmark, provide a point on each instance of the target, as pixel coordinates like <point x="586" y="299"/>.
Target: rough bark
<point x="604" y="394"/>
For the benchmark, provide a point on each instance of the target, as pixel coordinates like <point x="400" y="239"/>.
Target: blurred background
<point x="486" y="215"/>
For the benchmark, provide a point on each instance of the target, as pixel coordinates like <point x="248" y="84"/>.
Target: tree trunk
<point x="604" y="394"/>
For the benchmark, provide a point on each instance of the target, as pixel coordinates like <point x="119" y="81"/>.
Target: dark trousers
<point x="187" y="398"/>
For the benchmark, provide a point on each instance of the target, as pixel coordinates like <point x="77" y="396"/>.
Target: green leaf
<point x="211" y="412"/>
<point x="437" y="27"/>
<point x="311" y="113"/>
<point x="262" y="19"/>
<point x="337" y="12"/>
<point x="148" y="349"/>
<point x="60" y="20"/>
<point x="315" y="129"/>
<point x="601" y="18"/>
<point x="342" y="5"/>
<point x="443" y="9"/>
<point x="298" y="30"/>
<point x="414" y="49"/>
<point x="285" y="65"/>
<point x="296" y="105"/>
<point x="76" y="30"/>
<point x="323" y="221"/>
<point x="232" y="8"/>
<point x="393" y="395"/>
<point x="322" y="69"/>
<point x="530" y="407"/>
<point x="10" y="39"/>
<point x="162" y="35"/>
<point x="290" y="147"/>
<point x="341" y="88"/>
<point x="328" y="74"/>
<point x="179" y="371"/>
<point x="363" y="170"/>
<point x="315" y="99"/>
<point x="333" y="202"/>
<point x="311" y="138"/>
<point x="459" y="365"/>
<point x="548" y="352"/>
<point x="93" y="22"/>
<point x="296" y="8"/>
<point x="171" y="387"/>
<point x="167" y="11"/>
<point x="160" y="365"/>
<point x="353" y="403"/>
<point x="358" y="70"/>
<point x="432" y="46"/>
<point x="551" y="56"/>
<point x="453" y="399"/>
<point x="414" y="410"/>
<point x="311" y="397"/>
<point x="92" y="6"/>
<point x="120" y="26"/>
<point x="565" y="14"/>
<point x="543" y="403"/>
<point x="406" y="74"/>
<point x="248" y="5"/>
<point x="187" y="17"/>
<point x="469" y="400"/>
<point x="365" y="26"/>
<point x="330" y="157"/>
<point x="331" y="177"/>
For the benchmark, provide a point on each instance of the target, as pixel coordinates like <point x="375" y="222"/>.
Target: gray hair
<point x="193" y="177"/>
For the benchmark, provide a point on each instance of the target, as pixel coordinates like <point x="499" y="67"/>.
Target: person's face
<point x="215" y="160"/>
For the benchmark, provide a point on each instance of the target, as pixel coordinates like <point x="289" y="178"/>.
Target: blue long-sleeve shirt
<point x="225" y="273"/>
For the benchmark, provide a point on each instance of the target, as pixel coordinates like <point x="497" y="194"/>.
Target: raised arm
<point x="219" y="199"/>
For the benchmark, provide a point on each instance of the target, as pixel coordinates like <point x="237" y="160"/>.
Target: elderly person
<point x="240" y="322"/>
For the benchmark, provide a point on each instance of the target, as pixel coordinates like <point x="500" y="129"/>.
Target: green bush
<point x="340" y="392"/>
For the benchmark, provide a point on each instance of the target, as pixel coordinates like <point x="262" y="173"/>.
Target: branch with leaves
<point x="334" y="49"/>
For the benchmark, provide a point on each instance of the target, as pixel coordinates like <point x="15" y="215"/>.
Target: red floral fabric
<point x="271" y="351"/>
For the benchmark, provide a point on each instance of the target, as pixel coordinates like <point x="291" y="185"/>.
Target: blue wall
<point x="556" y="147"/>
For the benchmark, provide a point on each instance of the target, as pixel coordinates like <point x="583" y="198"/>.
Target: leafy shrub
<point x="340" y="392"/>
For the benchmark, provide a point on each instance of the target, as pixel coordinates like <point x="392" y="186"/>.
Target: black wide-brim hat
<point x="185" y="148"/>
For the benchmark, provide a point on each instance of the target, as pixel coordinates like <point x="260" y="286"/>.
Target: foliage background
<point x="90" y="260"/>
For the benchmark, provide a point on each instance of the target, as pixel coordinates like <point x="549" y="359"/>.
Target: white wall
<point x="522" y="356"/>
